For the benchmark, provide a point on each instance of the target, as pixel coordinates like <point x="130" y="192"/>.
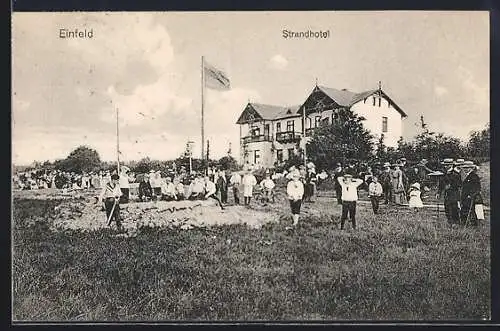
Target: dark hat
<point x="115" y="177"/>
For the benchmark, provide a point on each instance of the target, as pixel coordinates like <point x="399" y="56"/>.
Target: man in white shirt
<point x="349" y="195"/>
<point x="110" y="195"/>
<point x="235" y="182"/>
<point x="196" y="188"/>
<point x="248" y="181"/>
<point x="211" y="190"/>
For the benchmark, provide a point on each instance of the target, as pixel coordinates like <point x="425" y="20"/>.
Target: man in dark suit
<point x="449" y="189"/>
<point x="222" y="185"/>
<point x="145" y="189"/>
<point x="339" y="172"/>
<point x="471" y="193"/>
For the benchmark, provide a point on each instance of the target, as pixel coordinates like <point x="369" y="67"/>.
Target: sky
<point x="65" y="91"/>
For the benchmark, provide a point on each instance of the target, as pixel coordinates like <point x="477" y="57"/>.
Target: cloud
<point x="440" y="90"/>
<point x="278" y="62"/>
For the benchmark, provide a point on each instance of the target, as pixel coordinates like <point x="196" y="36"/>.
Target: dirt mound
<point x="85" y="215"/>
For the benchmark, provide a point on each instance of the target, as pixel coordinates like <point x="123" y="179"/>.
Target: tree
<point x="346" y="138"/>
<point x="479" y="143"/>
<point x="82" y="159"/>
<point x="227" y="163"/>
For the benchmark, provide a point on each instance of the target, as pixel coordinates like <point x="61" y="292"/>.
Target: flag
<point x="215" y="78"/>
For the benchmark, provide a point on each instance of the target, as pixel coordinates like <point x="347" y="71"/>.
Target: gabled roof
<point x="259" y="111"/>
<point x="347" y="98"/>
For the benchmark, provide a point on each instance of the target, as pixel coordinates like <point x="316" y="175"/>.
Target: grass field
<point x="397" y="265"/>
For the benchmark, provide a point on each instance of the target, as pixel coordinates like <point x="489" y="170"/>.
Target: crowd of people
<point x="397" y="183"/>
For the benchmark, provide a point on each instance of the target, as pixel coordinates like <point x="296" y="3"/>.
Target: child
<point x="415" y="200"/>
<point x="375" y="192"/>
<point x="295" y="192"/>
<point x="267" y="185"/>
<point x="349" y="197"/>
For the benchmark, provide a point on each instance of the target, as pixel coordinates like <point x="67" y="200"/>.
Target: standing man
<point x="124" y="184"/>
<point x="349" y="198"/>
<point x="449" y="189"/>
<point x="111" y="194"/>
<point x="386" y="182"/>
<point x="375" y="192"/>
<point x="222" y="185"/>
<point x="235" y="182"/>
<point x="338" y="188"/>
<point x="145" y="190"/>
<point x="471" y="192"/>
<point x="248" y="181"/>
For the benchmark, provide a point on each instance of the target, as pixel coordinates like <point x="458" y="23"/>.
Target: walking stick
<point x="472" y="199"/>
<point x="111" y="214"/>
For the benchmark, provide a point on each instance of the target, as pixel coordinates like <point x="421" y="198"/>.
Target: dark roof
<point x="348" y="98"/>
<point x="269" y="112"/>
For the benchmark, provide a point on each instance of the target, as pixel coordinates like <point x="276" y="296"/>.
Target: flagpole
<point x="202" y="108"/>
<point x="117" y="143"/>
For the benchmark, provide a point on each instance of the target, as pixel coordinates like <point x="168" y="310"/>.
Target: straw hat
<point x="347" y="176"/>
<point x="387" y="164"/>
<point x="459" y="162"/>
<point x="468" y="164"/>
<point x="310" y="165"/>
<point x="125" y="168"/>
<point x="447" y="162"/>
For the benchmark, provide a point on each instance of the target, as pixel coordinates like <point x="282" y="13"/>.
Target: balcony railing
<point x="256" y="138"/>
<point x="288" y="136"/>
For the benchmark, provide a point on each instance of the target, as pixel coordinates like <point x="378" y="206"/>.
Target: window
<point x="278" y="127"/>
<point x="291" y="152"/>
<point x="256" y="156"/>
<point x="317" y="120"/>
<point x="374" y="101"/>
<point x="325" y="121"/>
<point x="384" y="124"/>
<point x="388" y="104"/>
<point x="255" y="131"/>
<point x="279" y="155"/>
<point x="289" y="126"/>
<point x="379" y="101"/>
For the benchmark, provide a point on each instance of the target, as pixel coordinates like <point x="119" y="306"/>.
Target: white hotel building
<point x="271" y="134"/>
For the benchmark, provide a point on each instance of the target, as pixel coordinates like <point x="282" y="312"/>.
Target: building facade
<point x="271" y="134"/>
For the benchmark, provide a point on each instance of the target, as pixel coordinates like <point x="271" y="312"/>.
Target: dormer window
<point x="373" y="101"/>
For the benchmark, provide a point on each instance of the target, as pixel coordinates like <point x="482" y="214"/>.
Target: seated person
<point x="168" y="190"/>
<point x="145" y="189"/>
<point x="196" y="188"/>
<point x="179" y="189"/>
<point x="211" y="191"/>
<point x="267" y="185"/>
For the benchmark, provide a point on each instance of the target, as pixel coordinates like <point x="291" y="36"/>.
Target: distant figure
<point x="222" y="185"/>
<point x="179" y="189"/>
<point x="235" y="182"/>
<point x="375" y="192"/>
<point x="111" y="194"/>
<point x="415" y="199"/>
<point x="470" y="194"/>
<point x="449" y="190"/>
<point x="124" y="184"/>
<point x="248" y="181"/>
<point x="295" y="192"/>
<point x="349" y="198"/>
<point x="211" y="190"/>
<point x="338" y="188"/>
<point x="196" y="188"/>
<point x="145" y="190"/>
<point x="168" y="190"/>
<point x="398" y="188"/>
<point x="386" y="182"/>
<point x="267" y="186"/>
